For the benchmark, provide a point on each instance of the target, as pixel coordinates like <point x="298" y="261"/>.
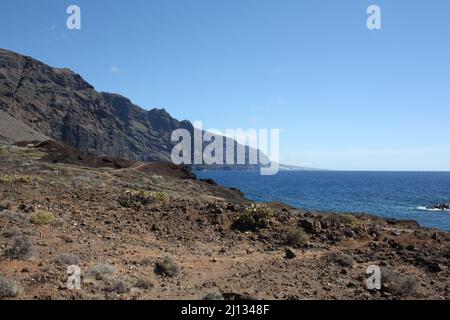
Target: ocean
<point x="400" y="195"/>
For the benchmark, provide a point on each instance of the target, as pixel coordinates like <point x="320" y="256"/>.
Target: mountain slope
<point x="12" y="129"/>
<point x="60" y="104"/>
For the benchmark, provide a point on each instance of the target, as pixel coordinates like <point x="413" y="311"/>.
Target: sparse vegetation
<point x="21" y="248"/>
<point x="339" y="219"/>
<point x="120" y="286"/>
<point x="104" y="277"/>
<point x="296" y="237"/>
<point x="5" y="205"/>
<point x="144" y="283"/>
<point x="406" y="286"/>
<point x="167" y="267"/>
<point x="13" y="215"/>
<point x="67" y="259"/>
<point x="138" y="198"/>
<point x="102" y="271"/>
<point x="214" y="296"/>
<point x="343" y="260"/>
<point x="8" y="288"/>
<point x="350" y="219"/>
<point x="41" y="180"/>
<point x="10" y="232"/>
<point x="121" y="251"/>
<point x="255" y="217"/>
<point x="161" y="197"/>
<point x="403" y="285"/>
<point x="135" y="198"/>
<point x="11" y="179"/>
<point x="42" y="217"/>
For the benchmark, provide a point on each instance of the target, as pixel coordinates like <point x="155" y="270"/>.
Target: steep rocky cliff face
<point x="59" y="104"/>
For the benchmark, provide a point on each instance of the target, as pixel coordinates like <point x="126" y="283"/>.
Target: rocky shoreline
<point x="152" y="231"/>
<point x="442" y="207"/>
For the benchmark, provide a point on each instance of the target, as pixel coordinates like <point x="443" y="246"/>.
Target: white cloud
<point x="114" y="69"/>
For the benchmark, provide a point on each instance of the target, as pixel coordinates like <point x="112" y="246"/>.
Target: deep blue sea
<point x="401" y="195"/>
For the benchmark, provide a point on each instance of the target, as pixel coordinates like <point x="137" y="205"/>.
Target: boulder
<point x="435" y="267"/>
<point x="317" y="226"/>
<point x="307" y="225"/>
<point x="374" y="232"/>
<point x="290" y="254"/>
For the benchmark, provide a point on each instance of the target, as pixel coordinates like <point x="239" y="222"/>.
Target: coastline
<point x="186" y="243"/>
<point x="395" y="195"/>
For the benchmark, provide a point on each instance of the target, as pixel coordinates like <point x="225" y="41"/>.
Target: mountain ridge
<point x="59" y="104"/>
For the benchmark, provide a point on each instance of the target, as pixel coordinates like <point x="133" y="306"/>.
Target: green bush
<point x="11" y="179"/>
<point x="161" y="197"/>
<point x="42" y="217"/>
<point x="139" y="198"/>
<point x="255" y="217"/>
<point x="134" y="198"/>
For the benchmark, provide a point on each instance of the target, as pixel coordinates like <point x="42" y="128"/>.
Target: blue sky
<point x="344" y="97"/>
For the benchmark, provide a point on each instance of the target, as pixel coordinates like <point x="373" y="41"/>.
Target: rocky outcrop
<point x="442" y="206"/>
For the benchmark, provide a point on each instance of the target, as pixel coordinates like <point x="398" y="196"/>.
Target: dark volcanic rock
<point x="307" y="225"/>
<point x="442" y="206"/>
<point x="289" y="254"/>
<point x="435" y="267"/>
